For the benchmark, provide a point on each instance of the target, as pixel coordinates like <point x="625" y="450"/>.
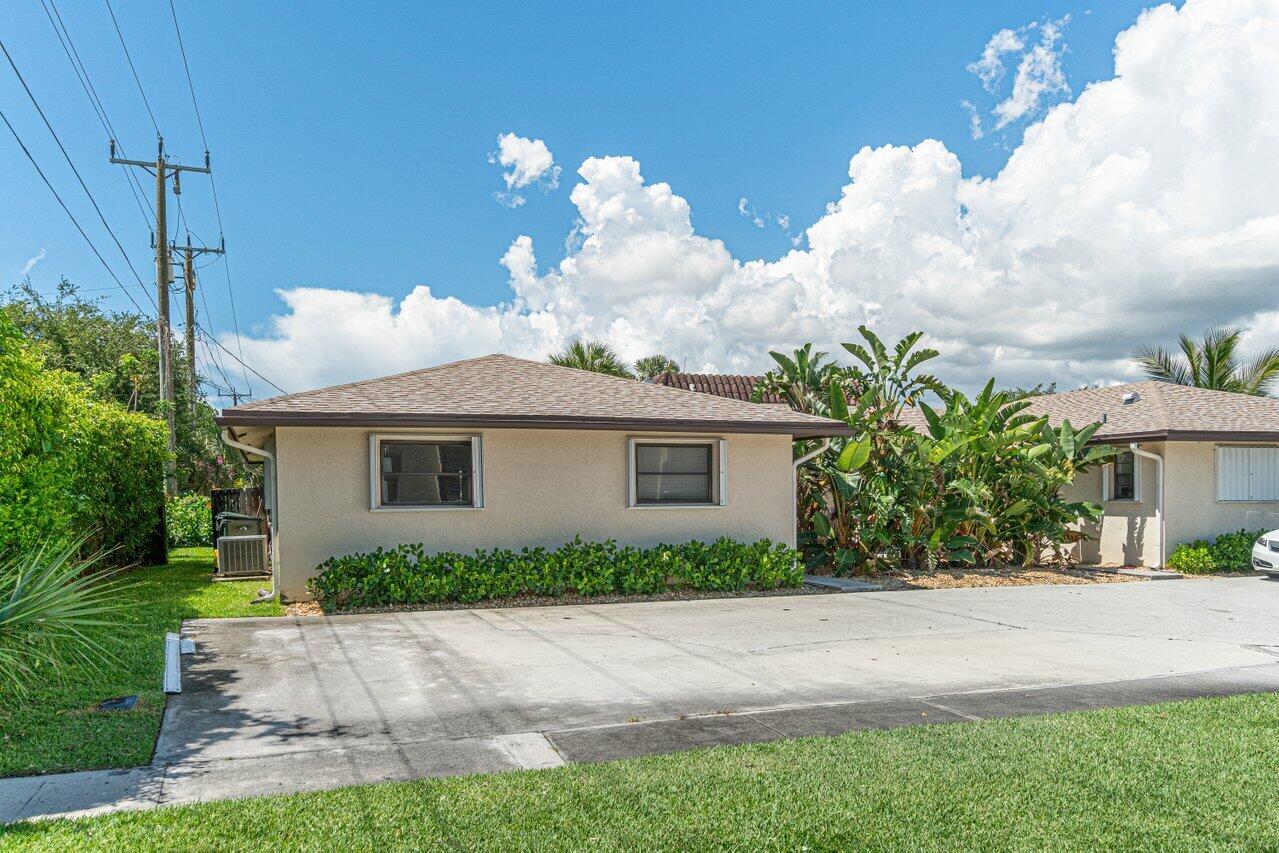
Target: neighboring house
<point x="719" y="384"/>
<point x="1193" y="463"/>
<point x="503" y="452"/>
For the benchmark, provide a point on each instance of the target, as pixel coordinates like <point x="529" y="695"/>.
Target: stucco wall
<point x="1127" y="533"/>
<point x="541" y="487"/>
<point x="1193" y="509"/>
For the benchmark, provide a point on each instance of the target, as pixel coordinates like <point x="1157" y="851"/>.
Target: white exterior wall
<point x="1193" y="509"/>
<point x="541" y="487"/>
<point x="1127" y="535"/>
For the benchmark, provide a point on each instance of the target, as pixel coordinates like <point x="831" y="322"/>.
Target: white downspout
<point x="1159" y="496"/>
<point x="268" y="474"/>
<point x="794" y="482"/>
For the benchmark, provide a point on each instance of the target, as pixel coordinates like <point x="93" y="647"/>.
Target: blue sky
<point x="351" y="144"/>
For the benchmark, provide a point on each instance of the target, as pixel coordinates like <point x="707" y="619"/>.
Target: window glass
<point x="673" y="473"/>
<point x="1125" y="477"/>
<point x="426" y="473"/>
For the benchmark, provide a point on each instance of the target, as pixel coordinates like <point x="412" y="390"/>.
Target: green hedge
<point x="409" y="575"/>
<point x="1229" y="552"/>
<point x="188" y="520"/>
<point x="70" y="463"/>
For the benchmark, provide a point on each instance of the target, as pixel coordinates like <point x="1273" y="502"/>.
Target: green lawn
<point x="57" y="727"/>
<point x="1193" y="775"/>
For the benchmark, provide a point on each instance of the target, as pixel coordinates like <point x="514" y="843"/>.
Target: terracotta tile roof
<point x="1160" y="410"/>
<point x="735" y="387"/>
<point x="498" y="390"/>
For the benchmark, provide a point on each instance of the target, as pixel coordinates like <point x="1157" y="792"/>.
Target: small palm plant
<point x="595" y="356"/>
<point x="655" y="365"/>
<point x="56" y="610"/>
<point x="1212" y="363"/>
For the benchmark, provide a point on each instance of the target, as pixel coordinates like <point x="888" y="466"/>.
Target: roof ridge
<point x="359" y="382"/>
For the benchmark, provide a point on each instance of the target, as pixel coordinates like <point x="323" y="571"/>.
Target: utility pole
<point x="189" y="254"/>
<point x="162" y="169"/>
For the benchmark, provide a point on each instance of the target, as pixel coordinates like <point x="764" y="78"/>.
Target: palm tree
<point x="652" y="365"/>
<point x="595" y="356"/>
<point x="56" y="610"/>
<point x="1212" y="363"/>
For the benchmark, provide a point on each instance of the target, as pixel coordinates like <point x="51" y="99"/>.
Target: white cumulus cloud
<point x="1039" y="78"/>
<point x="527" y="162"/>
<point x="1147" y="206"/>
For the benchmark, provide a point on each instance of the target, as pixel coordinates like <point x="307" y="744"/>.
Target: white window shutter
<point x="723" y="472"/>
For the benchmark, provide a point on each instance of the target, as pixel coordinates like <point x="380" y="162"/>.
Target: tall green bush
<point x="188" y="520"/>
<point x="409" y="575"/>
<point x="70" y="464"/>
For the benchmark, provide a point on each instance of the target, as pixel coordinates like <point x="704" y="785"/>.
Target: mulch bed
<point x="311" y="608"/>
<point x="1003" y="576"/>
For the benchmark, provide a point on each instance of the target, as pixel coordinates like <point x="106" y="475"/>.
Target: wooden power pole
<point x="162" y="169"/>
<point x="189" y="254"/>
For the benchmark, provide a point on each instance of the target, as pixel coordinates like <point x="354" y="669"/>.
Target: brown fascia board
<point x="385" y="419"/>
<point x="1188" y="435"/>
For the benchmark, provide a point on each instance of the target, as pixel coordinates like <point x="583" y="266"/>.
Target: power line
<point x="216" y="343"/>
<point x="213" y="185"/>
<point x="91" y="92"/>
<point x="136" y="78"/>
<point x="70" y="215"/>
<point x="71" y="163"/>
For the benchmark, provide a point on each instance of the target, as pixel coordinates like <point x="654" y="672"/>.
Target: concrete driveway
<point x="275" y="705"/>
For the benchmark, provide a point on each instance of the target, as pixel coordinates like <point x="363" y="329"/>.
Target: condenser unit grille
<point x="242" y="555"/>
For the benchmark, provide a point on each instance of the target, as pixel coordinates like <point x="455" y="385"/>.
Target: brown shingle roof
<point x="734" y="387"/>
<point x="498" y="390"/>
<point x="1161" y="410"/>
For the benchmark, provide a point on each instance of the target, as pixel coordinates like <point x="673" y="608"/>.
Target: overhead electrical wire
<point x="69" y="214"/>
<point x="71" y="163"/>
<point x="136" y="78"/>
<point x="213" y="184"/>
<point x="218" y="344"/>
<point x="99" y="109"/>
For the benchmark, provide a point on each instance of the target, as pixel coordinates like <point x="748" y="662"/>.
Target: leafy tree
<point x="115" y="353"/>
<point x="1212" y="362"/>
<point x="1039" y="389"/>
<point x="653" y="365"/>
<point x="595" y="356"/>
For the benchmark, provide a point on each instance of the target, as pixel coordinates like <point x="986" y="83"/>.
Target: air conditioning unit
<point x="242" y="556"/>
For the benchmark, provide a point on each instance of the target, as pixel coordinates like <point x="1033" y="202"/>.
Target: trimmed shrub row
<point x="1229" y="552"/>
<point x="409" y="575"/>
<point x="70" y="463"/>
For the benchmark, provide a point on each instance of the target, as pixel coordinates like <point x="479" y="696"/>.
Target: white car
<point x="1265" y="553"/>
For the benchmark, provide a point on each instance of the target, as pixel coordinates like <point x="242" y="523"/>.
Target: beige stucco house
<point x="1192" y="464"/>
<point x="503" y="452"/>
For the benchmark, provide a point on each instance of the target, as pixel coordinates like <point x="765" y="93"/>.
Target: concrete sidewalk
<point x="280" y="705"/>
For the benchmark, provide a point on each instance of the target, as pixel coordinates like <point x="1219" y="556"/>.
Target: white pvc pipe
<point x="172" y="669"/>
<point x="268" y="473"/>
<point x="1159" y="496"/>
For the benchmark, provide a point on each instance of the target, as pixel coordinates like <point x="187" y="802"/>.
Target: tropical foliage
<point x="55" y="611"/>
<point x="408" y="574"/>
<point x="956" y="481"/>
<point x="595" y="356"/>
<point x="70" y="462"/>
<point x="654" y="365"/>
<point x="1212" y="362"/>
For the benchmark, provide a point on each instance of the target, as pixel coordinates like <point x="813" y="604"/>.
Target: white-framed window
<point x="1121" y="479"/>
<point x="425" y="472"/>
<point x="676" y="472"/>
<point x="1247" y="473"/>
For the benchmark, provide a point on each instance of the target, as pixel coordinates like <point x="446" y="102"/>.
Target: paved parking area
<point x="277" y="705"/>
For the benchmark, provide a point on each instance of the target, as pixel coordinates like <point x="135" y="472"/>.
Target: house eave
<point x="1187" y="435"/>
<point x="796" y="429"/>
